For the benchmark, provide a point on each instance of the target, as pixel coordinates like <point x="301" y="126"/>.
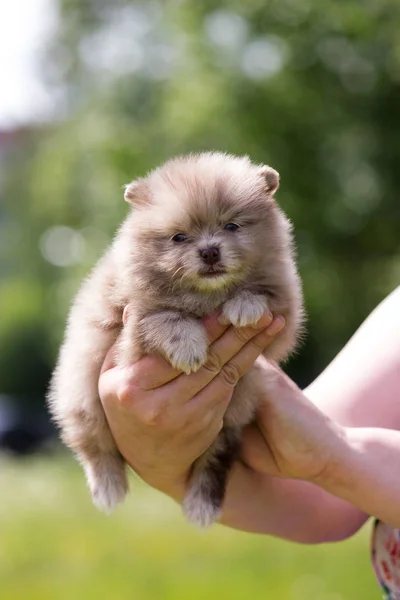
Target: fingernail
<point x="276" y="326"/>
<point x="223" y="320"/>
<point x="263" y="321"/>
<point x="268" y="315"/>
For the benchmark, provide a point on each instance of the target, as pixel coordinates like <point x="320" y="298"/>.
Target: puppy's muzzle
<point x="211" y="255"/>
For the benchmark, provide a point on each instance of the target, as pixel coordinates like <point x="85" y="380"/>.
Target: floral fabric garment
<point x="385" y="551"/>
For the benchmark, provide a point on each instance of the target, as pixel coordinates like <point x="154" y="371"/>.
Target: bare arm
<point x="361" y="387"/>
<point x="351" y="463"/>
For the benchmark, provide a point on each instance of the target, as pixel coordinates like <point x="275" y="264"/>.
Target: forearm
<point x="290" y="509"/>
<point x="365" y="472"/>
<point x="360" y="387"/>
<point x="360" y="479"/>
<point x="294" y="510"/>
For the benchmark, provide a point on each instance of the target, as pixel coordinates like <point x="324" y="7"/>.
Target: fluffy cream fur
<point x="168" y="286"/>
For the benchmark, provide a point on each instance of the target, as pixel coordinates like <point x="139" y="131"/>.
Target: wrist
<point x="336" y="475"/>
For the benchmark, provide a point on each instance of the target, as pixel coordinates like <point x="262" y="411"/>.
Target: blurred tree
<point x="311" y="87"/>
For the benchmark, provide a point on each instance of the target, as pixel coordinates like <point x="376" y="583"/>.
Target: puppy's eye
<point x="179" y="237"/>
<point x="231" y="226"/>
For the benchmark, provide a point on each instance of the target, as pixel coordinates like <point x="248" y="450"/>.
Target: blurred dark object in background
<point x="24" y="426"/>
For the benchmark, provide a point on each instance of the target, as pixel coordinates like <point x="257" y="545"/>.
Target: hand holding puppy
<point x="162" y="420"/>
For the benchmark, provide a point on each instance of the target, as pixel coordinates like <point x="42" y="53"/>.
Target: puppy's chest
<point x="196" y="304"/>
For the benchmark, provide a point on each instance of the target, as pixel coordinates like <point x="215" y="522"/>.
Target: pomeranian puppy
<point x="205" y="233"/>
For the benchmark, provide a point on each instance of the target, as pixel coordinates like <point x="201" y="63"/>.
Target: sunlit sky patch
<point x="24" y="29"/>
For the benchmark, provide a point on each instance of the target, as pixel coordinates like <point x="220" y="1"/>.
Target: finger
<point x="235" y="368"/>
<point x="109" y="361"/>
<point x="109" y="383"/>
<point x="204" y="414"/>
<point x="153" y="371"/>
<point x="213" y="326"/>
<point x="244" y="343"/>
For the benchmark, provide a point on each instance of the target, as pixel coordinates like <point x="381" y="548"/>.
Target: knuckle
<point x="149" y="412"/>
<point x="218" y="426"/>
<point x="126" y="392"/>
<point x="231" y="373"/>
<point x="212" y="426"/>
<point x="209" y="426"/>
<point x="152" y="416"/>
<point x="213" y="362"/>
<point x="203" y="424"/>
<point x="195" y="427"/>
<point x="217" y="429"/>
<point x="207" y="421"/>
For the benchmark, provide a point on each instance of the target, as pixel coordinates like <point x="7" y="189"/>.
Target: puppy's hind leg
<point x="85" y="430"/>
<point x="206" y="491"/>
<point x="105" y="471"/>
<point x="107" y="479"/>
<point x="76" y="408"/>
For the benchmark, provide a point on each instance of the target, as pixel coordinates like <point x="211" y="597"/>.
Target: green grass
<point x="55" y="546"/>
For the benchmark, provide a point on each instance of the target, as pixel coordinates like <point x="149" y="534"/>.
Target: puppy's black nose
<point x="210" y="255"/>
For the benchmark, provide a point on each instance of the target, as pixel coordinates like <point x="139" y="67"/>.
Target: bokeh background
<point x="95" y="93"/>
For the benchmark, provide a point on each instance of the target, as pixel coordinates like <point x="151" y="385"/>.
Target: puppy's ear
<point x="137" y="193"/>
<point x="271" y="179"/>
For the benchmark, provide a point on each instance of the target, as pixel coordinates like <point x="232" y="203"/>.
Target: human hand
<point x="291" y="438"/>
<point x="162" y="420"/>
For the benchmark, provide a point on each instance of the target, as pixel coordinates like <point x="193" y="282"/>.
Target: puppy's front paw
<point x="182" y="340"/>
<point x="244" y="309"/>
<point x="186" y="349"/>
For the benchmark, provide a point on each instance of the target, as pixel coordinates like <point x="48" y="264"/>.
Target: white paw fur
<point x="188" y="352"/>
<point x="244" y="309"/>
<point x="198" y="511"/>
<point x="107" y="481"/>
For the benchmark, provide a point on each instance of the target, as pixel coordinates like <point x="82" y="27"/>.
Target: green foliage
<point x="310" y="87"/>
<point x="54" y="544"/>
